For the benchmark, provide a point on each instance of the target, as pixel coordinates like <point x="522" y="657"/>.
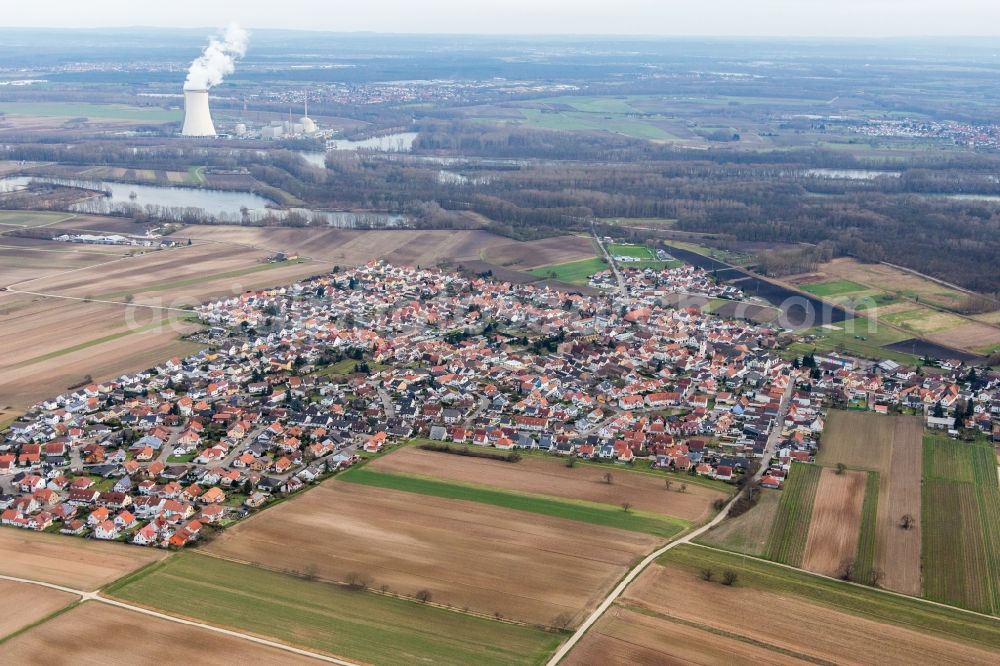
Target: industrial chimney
<point x="197" y="117"/>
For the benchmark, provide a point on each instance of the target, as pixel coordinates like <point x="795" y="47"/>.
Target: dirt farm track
<point x="126" y="638"/>
<point x="674" y="602"/>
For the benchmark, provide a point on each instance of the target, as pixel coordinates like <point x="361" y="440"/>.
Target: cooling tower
<point x="197" y="117"/>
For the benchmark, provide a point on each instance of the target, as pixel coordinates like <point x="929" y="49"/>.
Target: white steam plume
<point x="218" y="59"/>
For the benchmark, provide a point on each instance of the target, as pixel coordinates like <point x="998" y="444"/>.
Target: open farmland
<point x="469" y="555"/>
<point x="593" y="513"/>
<point x="897" y="550"/>
<point x="861" y="440"/>
<point x="864" y="561"/>
<point x="790" y="530"/>
<point x="626" y="636"/>
<point x="101" y="635"/>
<point x="746" y="533"/>
<point x="836" y="519"/>
<point x="116" y="112"/>
<point x="30" y="218"/>
<point x="889" y="280"/>
<point x="961" y="532"/>
<point x="575" y="272"/>
<point x="776" y="615"/>
<point x="28" y="604"/>
<point x="545" y="252"/>
<point x="55" y="343"/>
<point x="645" y="492"/>
<point x="77" y="563"/>
<point x="364" y="626"/>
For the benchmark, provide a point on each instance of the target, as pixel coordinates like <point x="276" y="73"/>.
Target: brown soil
<point x="525" y="256"/>
<point x="488" y="559"/>
<point x="624" y="636"/>
<point x="25" y="604"/>
<point x="102" y="635"/>
<point x="836" y="519"/>
<point x="857" y="439"/>
<point x="645" y="492"/>
<point x="897" y="551"/>
<point x="77" y="563"/>
<point x="791" y="623"/>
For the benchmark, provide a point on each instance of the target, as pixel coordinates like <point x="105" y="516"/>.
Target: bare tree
<point x="423" y="596"/>
<point x="729" y="577"/>
<point x="358" y="581"/>
<point x="668" y="483"/>
<point x="683" y="488"/>
<point x="608" y="478"/>
<point x="562" y="621"/>
<point x="707" y="574"/>
<point x="311" y="572"/>
<point x="846" y="570"/>
<point x="626" y="506"/>
<point x="907" y="522"/>
<point x="876" y="577"/>
<point x="841" y="468"/>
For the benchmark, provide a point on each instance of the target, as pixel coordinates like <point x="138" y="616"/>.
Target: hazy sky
<point x="649" y="17"/>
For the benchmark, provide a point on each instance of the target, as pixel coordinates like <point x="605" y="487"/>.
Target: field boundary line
<point x="99" y="598"/>
<point x="880" y="590"/>
<point x="97" y="300"/>
<point x="370" y="590"/>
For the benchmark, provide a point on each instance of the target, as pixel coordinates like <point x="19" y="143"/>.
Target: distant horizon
<point x="209" y="29"/>
<point x="766" y="19"/>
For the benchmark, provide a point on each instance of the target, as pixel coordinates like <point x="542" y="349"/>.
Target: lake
<point x="172" y="202"/>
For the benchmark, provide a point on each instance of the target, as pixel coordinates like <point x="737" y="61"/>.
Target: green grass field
<point x="592" y="122"/>
<point x="834" y="288"/>
<point x="868" y="603"/>
<point x="640" y="251"/>
<point x="196" y="174"/>
<point x="861" y="336"/>
<point x="577" y="272"/>
<point x="362" y="626"/>
<point x="864" y="559"/>
<point x="98" y="111"/>
<point x="787" y="539"/>
<point x="30" y="218"/>
<point x="961" y="524"/>
<point x="748" y="532"/>
<point x="585" y="512"/>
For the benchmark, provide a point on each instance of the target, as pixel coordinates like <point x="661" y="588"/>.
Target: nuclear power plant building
<point x="197" y="117"/>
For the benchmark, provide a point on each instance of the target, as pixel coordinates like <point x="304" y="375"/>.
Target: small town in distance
<point x="365" y="348"/>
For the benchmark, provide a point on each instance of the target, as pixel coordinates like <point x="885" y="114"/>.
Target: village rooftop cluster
<point x="298" y="382"/>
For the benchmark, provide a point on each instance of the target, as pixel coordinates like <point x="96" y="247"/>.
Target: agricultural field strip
<point x="791" y="526"/>
<point x="580" y="510"/>
<point x="373" y="627"/>
<point x="961" y="513"/>
<point x="96" y="596"/>
<point x="863" y="599"/>
<point x="85" y="299"/>
<point x="629" y="577"/>
<point x="864" y="560"/>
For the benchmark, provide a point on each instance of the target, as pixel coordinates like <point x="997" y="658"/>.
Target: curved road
<point x="687" y="538"/>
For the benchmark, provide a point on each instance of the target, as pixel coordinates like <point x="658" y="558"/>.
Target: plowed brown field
<point x="897" y="551"/>
<point x="788" y="623"/>
<point x="78" y="563"/>
<point x="100" y="635"/>
<point x="645" y="492"/>
<point x="488" y="559"/>
<point x="836" y="519"/>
